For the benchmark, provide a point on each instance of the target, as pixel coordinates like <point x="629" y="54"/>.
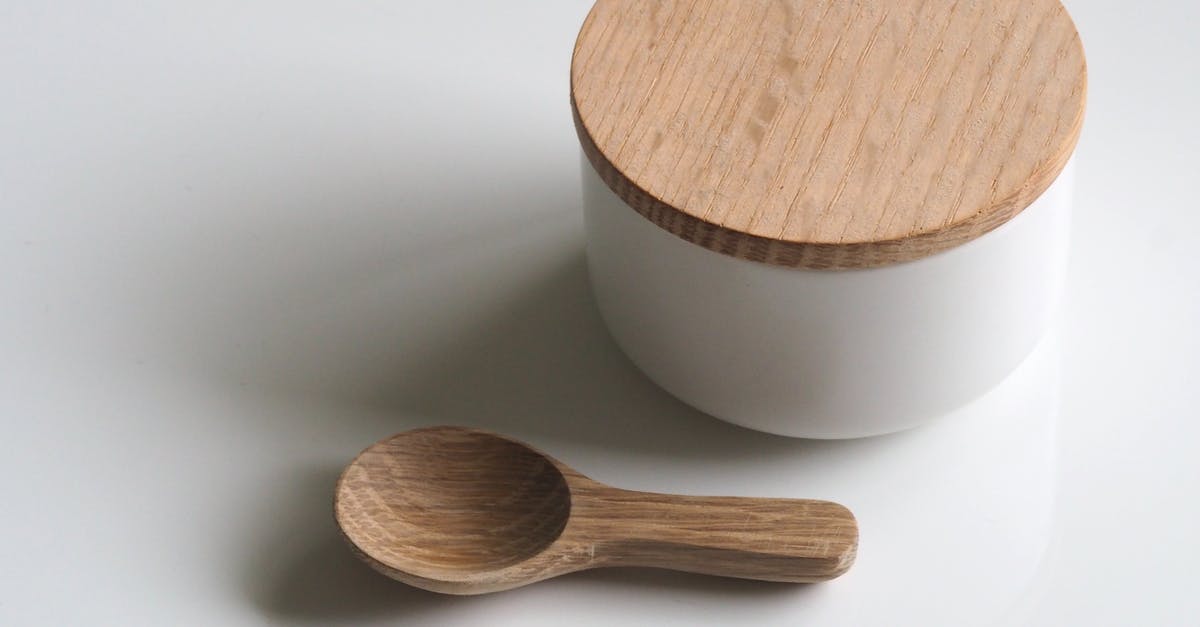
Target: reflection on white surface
<point x="964" y="504"/>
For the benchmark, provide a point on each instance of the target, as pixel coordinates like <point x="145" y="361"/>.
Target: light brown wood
<point x="828" y="134"/>
<point x="463" y="511"/>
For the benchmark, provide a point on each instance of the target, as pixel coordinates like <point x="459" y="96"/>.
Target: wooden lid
<point x="828" y="133"/>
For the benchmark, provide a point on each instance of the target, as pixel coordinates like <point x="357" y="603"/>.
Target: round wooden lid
<point x="828" y="133"/>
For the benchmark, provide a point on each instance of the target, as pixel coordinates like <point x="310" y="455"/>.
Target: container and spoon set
<point x="814" y="218"/>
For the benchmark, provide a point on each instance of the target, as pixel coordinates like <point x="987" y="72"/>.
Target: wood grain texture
<point x="828" y="134"/>
<point x="463" y="511"/>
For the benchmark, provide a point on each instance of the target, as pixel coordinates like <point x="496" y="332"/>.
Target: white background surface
<point x="241" y="241"/>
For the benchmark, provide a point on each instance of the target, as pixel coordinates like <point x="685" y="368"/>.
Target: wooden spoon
<point x="463" y="511"/>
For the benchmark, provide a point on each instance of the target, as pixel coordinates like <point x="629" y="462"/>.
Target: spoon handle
<point x="790" y="540"/>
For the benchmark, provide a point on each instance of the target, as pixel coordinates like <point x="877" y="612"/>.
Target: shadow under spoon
<point x="463" y="511"/>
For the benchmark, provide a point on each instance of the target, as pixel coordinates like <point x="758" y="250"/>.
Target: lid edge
<point x="819" y="255"/>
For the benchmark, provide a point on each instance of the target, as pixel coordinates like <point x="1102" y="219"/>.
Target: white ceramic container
<point x="819" y="354"/>
<point x="828" y="219"/>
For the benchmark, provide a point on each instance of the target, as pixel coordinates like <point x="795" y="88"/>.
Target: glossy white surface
<point x="240" y="241"/>
<point x="816" y="354"/>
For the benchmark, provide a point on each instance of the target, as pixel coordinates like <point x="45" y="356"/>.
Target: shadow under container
<point x="835" y="227"/>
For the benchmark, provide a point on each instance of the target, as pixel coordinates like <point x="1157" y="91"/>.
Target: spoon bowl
<point x="464" y="511"/>
<point x="442" y="502"/>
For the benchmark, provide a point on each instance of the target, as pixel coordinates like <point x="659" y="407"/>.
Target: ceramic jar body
<point x="826" y="354"/>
